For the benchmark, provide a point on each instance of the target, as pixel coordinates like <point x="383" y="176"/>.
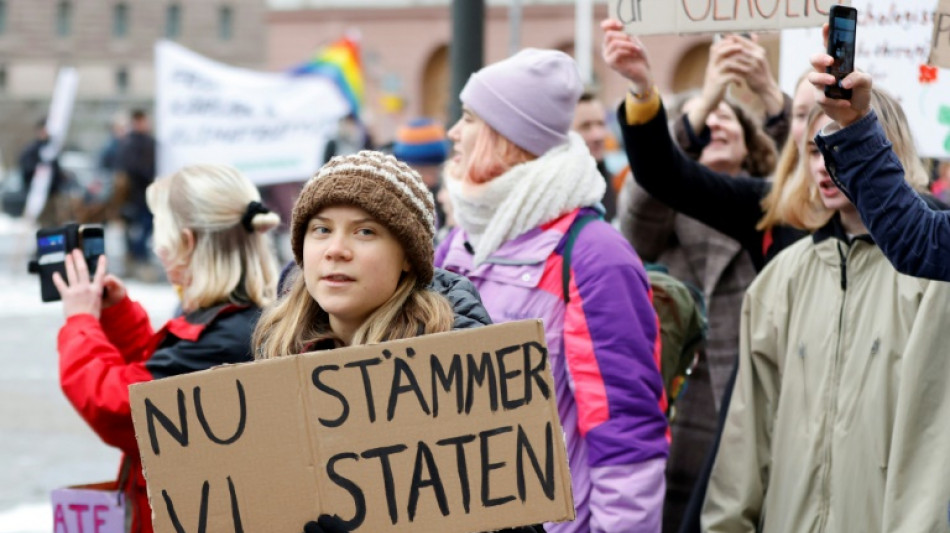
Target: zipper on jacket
<point x="835" y="385"/>
<point x="844" y="268"/>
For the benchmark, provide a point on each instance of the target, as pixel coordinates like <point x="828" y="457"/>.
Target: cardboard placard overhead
<point x="940" y="44"/>
<point x="654" y="17"/>
<point x="451" y="432"/>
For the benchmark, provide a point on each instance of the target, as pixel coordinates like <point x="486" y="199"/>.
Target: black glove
<point x="523" y="529"/>
<point x="326" y="524"/>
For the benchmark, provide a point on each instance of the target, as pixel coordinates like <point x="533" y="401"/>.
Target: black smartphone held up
<point x="842" y="26"/>
<point x="52" y="245"/>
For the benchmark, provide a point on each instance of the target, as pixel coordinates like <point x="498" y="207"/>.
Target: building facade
<point x="110" y="43"/>
<point x="405" y="46"/>
<point x="405" y="51"/>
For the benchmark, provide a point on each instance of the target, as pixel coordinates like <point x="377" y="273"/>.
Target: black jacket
<point x="730" y="205"/>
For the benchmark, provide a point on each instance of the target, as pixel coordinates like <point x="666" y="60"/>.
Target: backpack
<point x="681" y="311"/>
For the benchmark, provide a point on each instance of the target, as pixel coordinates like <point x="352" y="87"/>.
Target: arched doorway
<point x="435" y="84"/>
<point x="691" y="68"/>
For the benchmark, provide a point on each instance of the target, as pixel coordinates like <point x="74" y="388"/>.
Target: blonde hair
<point x="492" y="155"/>
<point x="227" y="263"/>
<point x="775" y="202"/>
<point x="296" y="322"/>
<point x="804" y="207"/>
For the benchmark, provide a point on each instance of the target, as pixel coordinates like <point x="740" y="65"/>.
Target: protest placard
<point x="272" y="127"/>
<point x="940" y="43"/>
<point x="451" y="432"/>
<point x="652" y="17"/>
<point x="97" y="508"/>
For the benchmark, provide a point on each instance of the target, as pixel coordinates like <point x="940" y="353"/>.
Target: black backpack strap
<point x="570" y="238"/>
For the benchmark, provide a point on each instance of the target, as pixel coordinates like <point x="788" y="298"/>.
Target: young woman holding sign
<point x="209" y="236"/>
<point x="362" y="233"/>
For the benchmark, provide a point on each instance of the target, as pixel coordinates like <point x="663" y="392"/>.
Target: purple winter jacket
<point x="603" y="348"/>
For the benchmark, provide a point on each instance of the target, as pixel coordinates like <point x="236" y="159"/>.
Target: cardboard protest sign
<point x="652" y="17"/>
<point x="89" y="508"/>
<point x="940" y="44"/>
<point x="451" y="432"/>
<point x="893" y="46"/>
<point x="272" y="127"/>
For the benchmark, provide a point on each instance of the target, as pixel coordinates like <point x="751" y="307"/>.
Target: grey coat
<point x="718" y="265"/>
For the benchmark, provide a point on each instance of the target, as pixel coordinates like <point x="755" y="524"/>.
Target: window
<point x="225" y="23"/>
<point x="120" y="20"/>
<point x="64" y="15"/>
<point x="3" y="16"/>
<point x="122" y="80"/>
<point x="173" y="21"/>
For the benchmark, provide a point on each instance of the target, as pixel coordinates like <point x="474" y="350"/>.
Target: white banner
<point x="272" y="127"/>
<point x="57" y="125"/>
<point x="893" y="44"/>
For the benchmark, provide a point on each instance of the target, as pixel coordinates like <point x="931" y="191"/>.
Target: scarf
<point x="526" y="196"/>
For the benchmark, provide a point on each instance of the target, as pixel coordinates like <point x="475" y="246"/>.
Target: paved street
<point x="43" y="442"/>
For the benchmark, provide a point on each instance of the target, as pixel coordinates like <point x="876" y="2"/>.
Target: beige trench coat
<point x="840" y="419"/>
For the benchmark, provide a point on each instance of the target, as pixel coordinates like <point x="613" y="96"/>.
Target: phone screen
<point x="51" y="249"/>
<point x="93" y="246"/>
<point x="841" y="38"/>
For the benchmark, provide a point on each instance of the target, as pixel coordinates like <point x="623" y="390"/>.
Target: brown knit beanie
<point x="384" y="187"/>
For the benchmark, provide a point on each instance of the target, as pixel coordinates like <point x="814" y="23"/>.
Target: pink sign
<point x="87" y="510"/>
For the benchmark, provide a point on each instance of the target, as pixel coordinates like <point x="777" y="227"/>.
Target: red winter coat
<point x="99" y="359"/>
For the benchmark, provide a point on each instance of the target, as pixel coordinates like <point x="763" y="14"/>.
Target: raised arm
<point x="914" y="237"/>
<point x="730" y="205"/>
<point x="861" y="161"/>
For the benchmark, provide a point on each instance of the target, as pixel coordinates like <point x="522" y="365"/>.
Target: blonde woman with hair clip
<point x="209" y="237"/>
<point x="838" y="419"/>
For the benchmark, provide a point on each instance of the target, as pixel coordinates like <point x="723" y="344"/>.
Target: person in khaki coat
<point x="842" y="378"/>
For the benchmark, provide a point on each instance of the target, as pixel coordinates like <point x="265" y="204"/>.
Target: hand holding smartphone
<point x="842" y="27"/>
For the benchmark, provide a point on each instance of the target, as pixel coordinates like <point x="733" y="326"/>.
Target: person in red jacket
<point x="209" y="237"/>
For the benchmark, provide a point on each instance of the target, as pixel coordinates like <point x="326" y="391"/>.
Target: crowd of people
<point x="818" y="401"/>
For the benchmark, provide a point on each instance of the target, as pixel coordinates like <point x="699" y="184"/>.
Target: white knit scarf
<point x="526" y="196"/>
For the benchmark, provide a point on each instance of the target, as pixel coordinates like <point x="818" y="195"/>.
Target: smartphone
<point x="52" y="246"/>
<point x="93" y="241"/>
<point x="842" y="26"/>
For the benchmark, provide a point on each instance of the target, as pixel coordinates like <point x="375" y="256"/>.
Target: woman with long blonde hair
<point x="210" y="238"/>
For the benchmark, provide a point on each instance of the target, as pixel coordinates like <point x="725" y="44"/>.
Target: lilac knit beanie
<point x="528" y="98"/>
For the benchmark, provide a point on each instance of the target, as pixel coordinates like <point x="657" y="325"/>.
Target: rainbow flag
<point x="340" y="62"/>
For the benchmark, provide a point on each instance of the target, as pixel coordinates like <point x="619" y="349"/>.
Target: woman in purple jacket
<point x="518" y="181"/>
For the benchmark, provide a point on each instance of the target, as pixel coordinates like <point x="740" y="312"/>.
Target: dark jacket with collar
<point x="458" y="290"/>
<point x="912" y="233"/>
